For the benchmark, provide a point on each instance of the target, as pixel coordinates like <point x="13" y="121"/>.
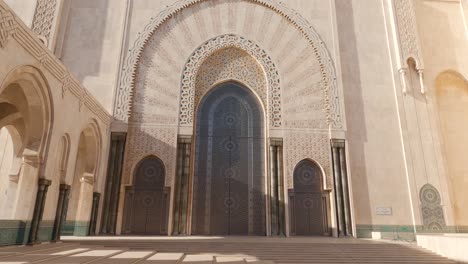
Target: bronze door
<point x="307" y="203"/>
<point x="145" y="203"/>
<point x="229" y="179"/>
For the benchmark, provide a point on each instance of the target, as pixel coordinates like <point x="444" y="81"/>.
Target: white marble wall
<point x="92" y="45"/>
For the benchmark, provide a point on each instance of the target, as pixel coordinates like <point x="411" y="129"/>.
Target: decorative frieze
<point x="12" y="27"/>
<point x="7" y="26"/>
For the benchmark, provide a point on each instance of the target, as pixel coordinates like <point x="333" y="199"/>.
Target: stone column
<point x="25" y="194"/>
<point x="113" y="181"/>
<point x="61" y="211"/>
<point x="276" y="187"/>
<point x="41" y="195"/>
<point x="338" y="189"/>
<point x="280" y="182"/>
<point x="94" y="214"/>
<point x="182" y="185"/>
<point x="273" y="191"/>
<point x="343" y="209"/>
<point x="345" y="191"/>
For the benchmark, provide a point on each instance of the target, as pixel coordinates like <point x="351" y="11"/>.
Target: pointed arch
<point x="328" y="81"/>
<point x="248" y="63"/>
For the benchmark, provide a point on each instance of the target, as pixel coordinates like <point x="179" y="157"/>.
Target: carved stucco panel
<point x="44" y="18"/>
<point x="299" y="145"/>
<point x="209" y="65"/>
<point x="331" y="102"/>
<point x="408" y="32"/>
<point x="143" y="141"/>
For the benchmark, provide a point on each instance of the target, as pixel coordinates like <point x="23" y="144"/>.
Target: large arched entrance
<point x="307" y="210"/>
<point x="146" y="201"/>
<point x="228" y="190"/>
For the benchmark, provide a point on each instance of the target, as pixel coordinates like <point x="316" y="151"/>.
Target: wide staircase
<point x="120" y="250"/>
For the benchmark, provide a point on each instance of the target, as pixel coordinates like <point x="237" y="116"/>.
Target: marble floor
<point x="231" y="250"/>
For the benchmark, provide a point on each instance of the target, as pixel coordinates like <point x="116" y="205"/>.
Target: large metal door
<point x="307" y="201"/>
<point x="229" y="179"/>
<point x="145" y="203"/>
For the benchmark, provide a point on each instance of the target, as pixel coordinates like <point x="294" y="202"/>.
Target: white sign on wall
<point x="384" y="210"/>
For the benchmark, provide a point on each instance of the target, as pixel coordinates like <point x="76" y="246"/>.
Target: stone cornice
<point x="11" y="27"/>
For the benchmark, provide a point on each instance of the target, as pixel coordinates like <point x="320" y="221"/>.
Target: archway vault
<point x="226" y="58"/>
<point x="174" y="28"/>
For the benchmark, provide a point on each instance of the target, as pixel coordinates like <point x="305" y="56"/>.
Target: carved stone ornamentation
<point x="230" y="57"/>
<point x="408" y="32"/>
<point x="143" y="141"/>
<point x="300" y="145"/>
<point x="44" y="18"/>
<point x="409" y="44"/>
<point x="431" y="208"/>
<point x="7" y="27"/>
<point x="330" y="103"/>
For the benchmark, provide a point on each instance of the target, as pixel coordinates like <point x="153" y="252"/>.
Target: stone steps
<point x="287" y="250"/>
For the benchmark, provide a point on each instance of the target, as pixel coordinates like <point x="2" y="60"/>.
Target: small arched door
<point x="308" y="216"/>
<point x="146" y="201"/>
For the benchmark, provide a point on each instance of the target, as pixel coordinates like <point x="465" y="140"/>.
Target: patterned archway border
<point x="196" y="60"/>
<point x="127" y="77"/>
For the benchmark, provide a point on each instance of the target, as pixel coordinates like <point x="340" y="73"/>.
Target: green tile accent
<point x="14" y="232"/>
<point x="75" y="228"/>
<point x="45" y="231"/>
<point x="403" y="232"/>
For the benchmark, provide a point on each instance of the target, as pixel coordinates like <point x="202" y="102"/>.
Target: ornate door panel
<point x="306" y="200"/>
<point x="145" y="203"/>
<point x="229" y="179"/>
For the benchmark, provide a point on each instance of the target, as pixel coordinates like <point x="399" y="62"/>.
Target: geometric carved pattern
<point x="145" y="141"/>
<point x="408" y="33"/>
<point x="302" y="145"/>
<point x="230" y="57"/>
<point x="331" y="105"/>
<point x="432" y="211"/>
<point x="7" y="27"/>
<point x="44" y="17"/>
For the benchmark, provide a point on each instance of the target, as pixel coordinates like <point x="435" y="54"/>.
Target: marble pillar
<point x="341" y="188"/>
<point x="41" y="195"/>
<point x="60" y="213"/>
<point x="113" y="180"/>
<point x="182" y="185"/>
<point x="94" y="214"/>
<point x="276" y="187"/>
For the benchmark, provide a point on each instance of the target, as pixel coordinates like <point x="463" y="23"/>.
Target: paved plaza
<point x="232" y="250"/>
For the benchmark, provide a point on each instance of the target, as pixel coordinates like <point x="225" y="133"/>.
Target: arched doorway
<point x="228" y="187"/>
<point x="308" y="216"/>
<point x="78" y="208"/>
<point x="146" y="201"/>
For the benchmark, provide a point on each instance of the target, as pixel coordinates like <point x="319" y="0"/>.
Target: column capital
<point x="64" y="186"/>
<point x="338" y="143"/>
<point x="88" y="178"/>
<point x="31" y="157"/>
<point x="44" y="182"/>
